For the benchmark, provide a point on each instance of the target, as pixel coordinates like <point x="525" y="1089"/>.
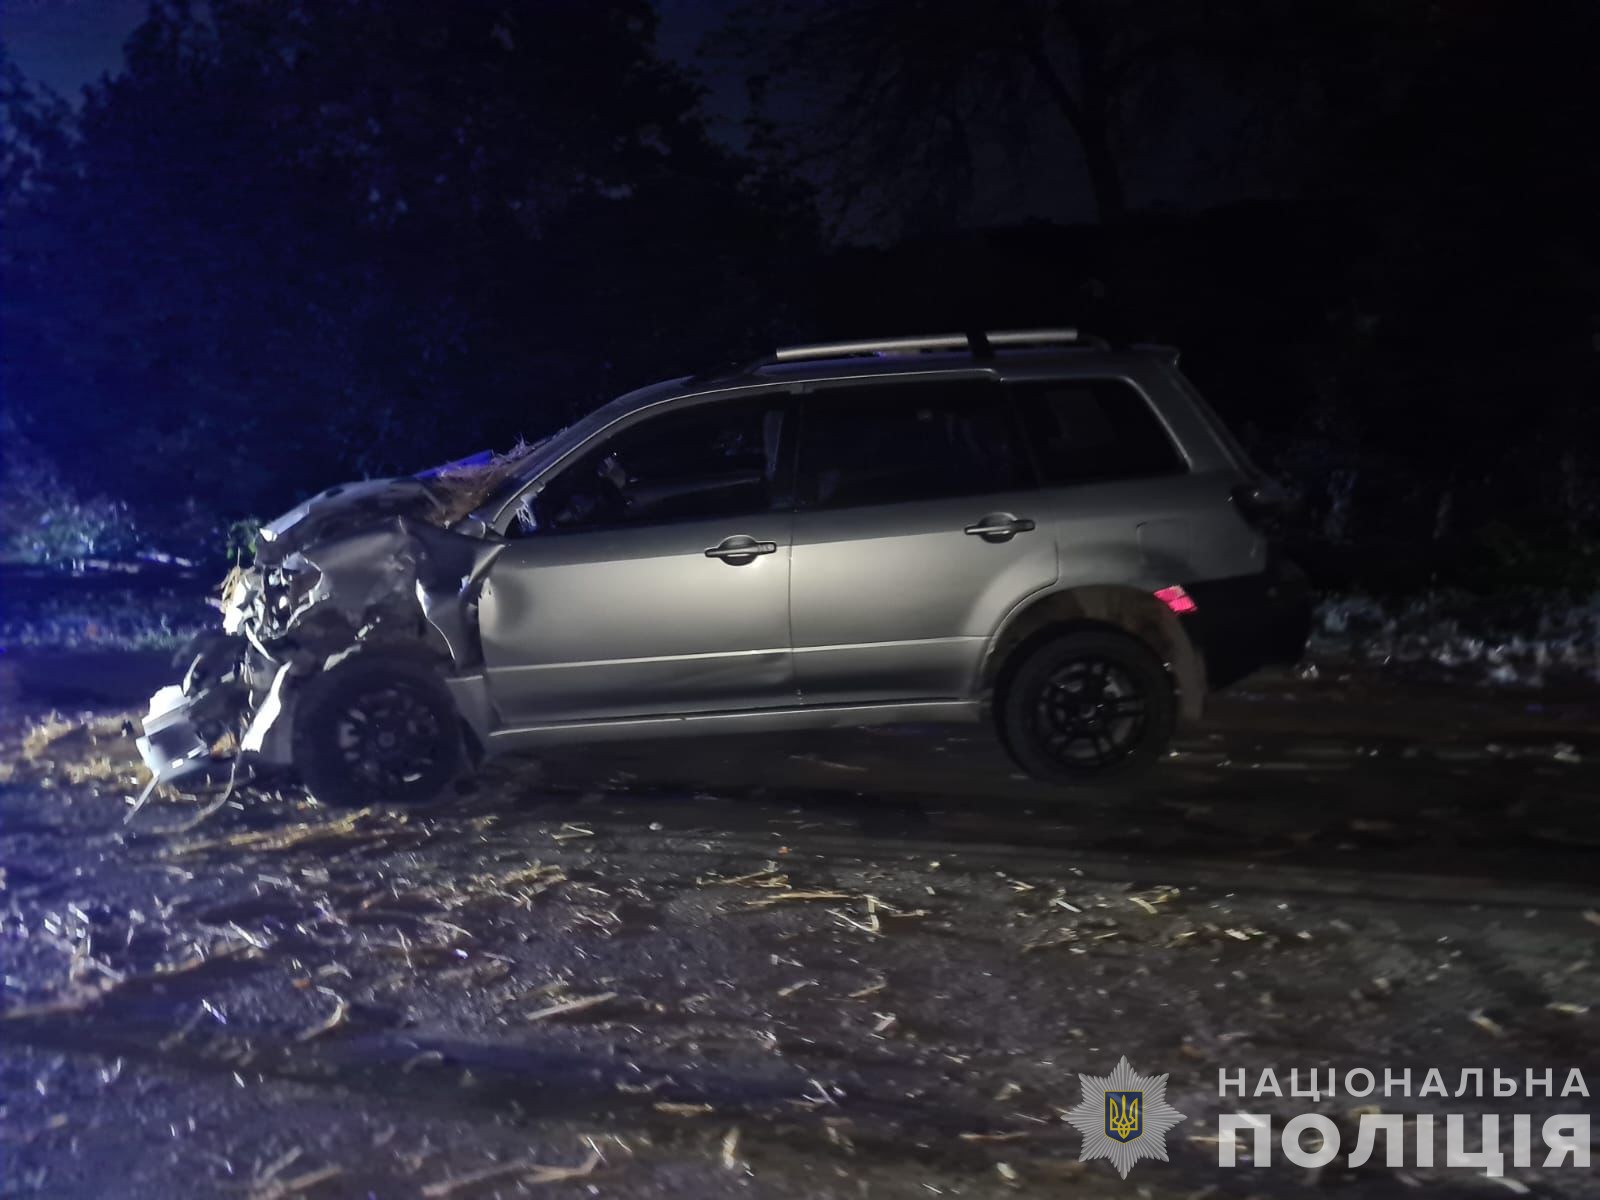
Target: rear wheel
<point x="377" y="731"/>
<point x="1085" y="707"/>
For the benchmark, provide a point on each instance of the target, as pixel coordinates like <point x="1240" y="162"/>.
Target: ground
<point x="867" y="963"/>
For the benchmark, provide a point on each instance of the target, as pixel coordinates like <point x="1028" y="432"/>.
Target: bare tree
<point x="920" y="90"/>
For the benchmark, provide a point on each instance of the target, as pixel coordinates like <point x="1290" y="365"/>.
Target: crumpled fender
<point x="375" y="582"/>
<point x="369" y="579"/>
<point x="450" y="573"/>
<point x="382" y="570"/>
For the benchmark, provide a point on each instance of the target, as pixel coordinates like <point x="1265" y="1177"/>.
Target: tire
<point x="377" y="731"/>
<point x="1083" y="708"/>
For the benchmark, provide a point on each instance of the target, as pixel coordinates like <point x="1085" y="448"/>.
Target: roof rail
<point x="975" y="343"/>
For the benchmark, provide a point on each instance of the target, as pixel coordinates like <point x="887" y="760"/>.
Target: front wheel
<point x="377" y="731"/>
<point x="1085" y="707"/>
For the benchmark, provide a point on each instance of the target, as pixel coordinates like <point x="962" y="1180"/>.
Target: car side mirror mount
<point x="474" y="525"/>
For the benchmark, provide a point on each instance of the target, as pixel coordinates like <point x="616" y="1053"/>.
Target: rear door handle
<point x="999" y="527"/>
<point x="740" y="549"/>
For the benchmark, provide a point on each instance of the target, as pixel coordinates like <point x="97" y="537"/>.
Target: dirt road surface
<point x="855" y="964"/>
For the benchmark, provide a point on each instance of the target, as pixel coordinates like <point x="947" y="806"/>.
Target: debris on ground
<point x="442" y="999"/>
<point x="524" y="1170"/>
<point x="567" y="1007"/>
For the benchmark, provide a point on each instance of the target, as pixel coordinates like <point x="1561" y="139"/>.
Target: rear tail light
<point x="1175" y="598"/>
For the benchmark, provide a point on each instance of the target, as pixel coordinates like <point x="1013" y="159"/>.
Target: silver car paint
<point x="896" y="602"/>
<point x="633" y="622"/>
<point x="863" y="615"/>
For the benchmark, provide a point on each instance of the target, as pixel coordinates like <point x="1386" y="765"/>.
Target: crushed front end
<point x="364" y="568"/>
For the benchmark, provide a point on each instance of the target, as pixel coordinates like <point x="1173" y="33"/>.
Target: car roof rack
<point x="979" y="344"/>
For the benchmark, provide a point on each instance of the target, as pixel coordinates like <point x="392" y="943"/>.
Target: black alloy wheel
<point x="1087" y="706"/>
<point x="377" y="731"/>
<point x="1090" y="713"/>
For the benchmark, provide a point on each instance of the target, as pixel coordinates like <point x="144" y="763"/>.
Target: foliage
<point x="242" y="537"/>
<point x="296" y="242"/>
<point x="1509" y="556"/>
<point x="125" y="618"/>
<point x="44" y="520"/>
<point x="1518" y="637"/>
<point x="889" y="97"/>
<point x="1403" y="300"/>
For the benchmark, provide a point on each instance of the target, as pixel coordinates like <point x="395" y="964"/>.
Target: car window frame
<point x="804" y="485"/>
<point x="782" y="488"/>
<point x="1183" y="464"/>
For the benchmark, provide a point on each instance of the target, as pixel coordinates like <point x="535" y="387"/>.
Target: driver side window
<point x="711" y="460"/>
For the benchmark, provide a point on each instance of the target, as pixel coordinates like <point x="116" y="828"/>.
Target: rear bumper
<point x="1250" y="621"/>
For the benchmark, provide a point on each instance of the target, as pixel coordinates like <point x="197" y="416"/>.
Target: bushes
<point x="1518" y="638"/>
<point x="46" y="522"/>
<point x="1512" y="557"/>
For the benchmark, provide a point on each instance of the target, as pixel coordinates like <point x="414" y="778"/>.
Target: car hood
<point x="341" y="509"/>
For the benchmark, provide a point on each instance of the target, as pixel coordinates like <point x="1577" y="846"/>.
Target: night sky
<point x="65" y="44"/>
<point x="68" y="43"/>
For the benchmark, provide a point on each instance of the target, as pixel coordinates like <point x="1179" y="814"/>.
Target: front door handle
<point x="739" y="549"/>
<point x="999" y="527"/>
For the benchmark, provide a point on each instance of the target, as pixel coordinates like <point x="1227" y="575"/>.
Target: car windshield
<point x="555" y="447"/>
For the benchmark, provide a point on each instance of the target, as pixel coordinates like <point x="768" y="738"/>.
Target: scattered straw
<point x="529" y="1171"/>
<point x="566" y="1007"/>
<point x="301" y="834"/>
<point x="278" y="1189"/>
<point x="341" y="1010"/>
<point x="786" y="897"/>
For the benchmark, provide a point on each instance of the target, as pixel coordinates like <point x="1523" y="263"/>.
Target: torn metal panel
<point x="340" y="511"/>
<point x="171" y="746"/>
<point x="262" y="723"/>
<point x="451" y="570"/>
<point x="359" y="567"/>
<point x="355" y="575"/>
<point x="186" y="719"/>
<point x="471" y="693"/>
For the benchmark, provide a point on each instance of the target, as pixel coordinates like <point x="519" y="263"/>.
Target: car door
<point x="914" y="535"/>
<point x="655" y="578"/>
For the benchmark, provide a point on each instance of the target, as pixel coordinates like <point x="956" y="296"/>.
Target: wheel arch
<point x="417" y="654"/>
<point x="467" y="694"/>
<point x="307" y="719"/>
<point x="1099" y="607"/>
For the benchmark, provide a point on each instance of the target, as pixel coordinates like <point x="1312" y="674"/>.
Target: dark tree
<point x="914" y="110"/>
<point x="296" y="241"/>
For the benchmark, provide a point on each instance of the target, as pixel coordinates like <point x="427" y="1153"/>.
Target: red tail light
<point x="1175" y="598"/>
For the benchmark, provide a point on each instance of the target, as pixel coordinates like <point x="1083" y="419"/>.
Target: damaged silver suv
<point x="1029" y="527"/>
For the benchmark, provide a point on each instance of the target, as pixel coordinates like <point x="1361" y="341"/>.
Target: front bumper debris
<point x="389" y="584"/>
<point x="171" y="745"/>
<point x="186" y="720"/>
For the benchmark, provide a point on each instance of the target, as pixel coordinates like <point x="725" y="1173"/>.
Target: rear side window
<point x="892" y="442"/>
<point x="1093" y="430"/>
